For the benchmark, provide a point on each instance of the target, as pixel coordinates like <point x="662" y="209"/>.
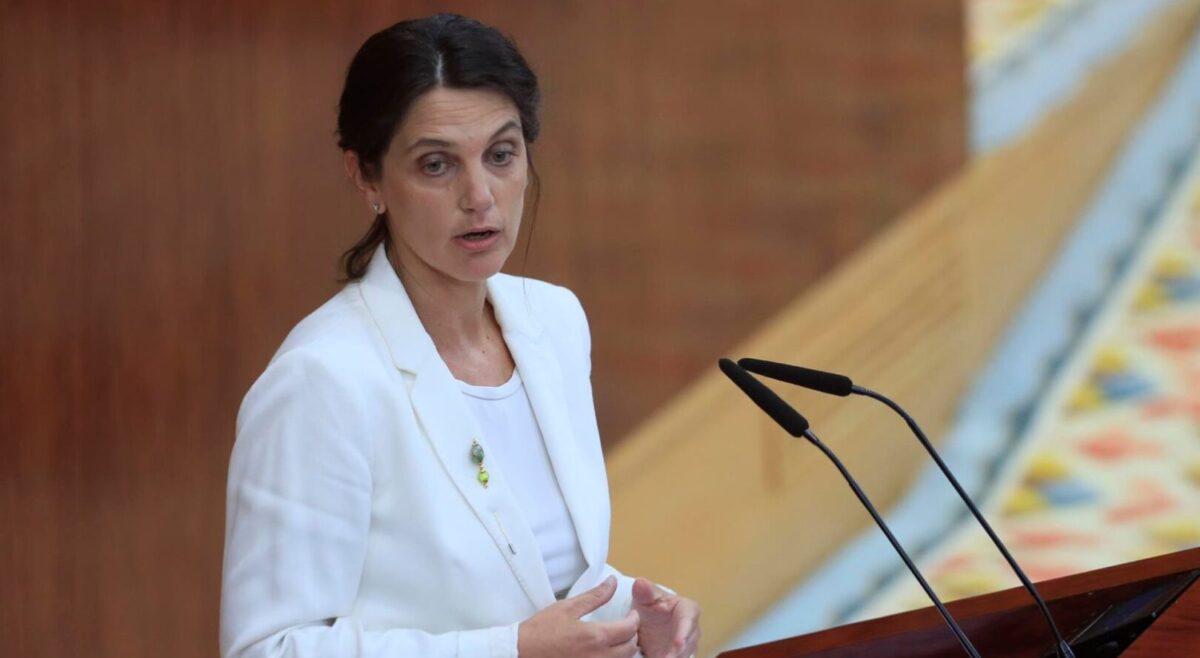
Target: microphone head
<point x="766" y="399"/>
<point x="817" y="380"/>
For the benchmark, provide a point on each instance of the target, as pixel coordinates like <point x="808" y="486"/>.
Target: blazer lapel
<point x="450" y="427"/>
<point x="544" y="384"/>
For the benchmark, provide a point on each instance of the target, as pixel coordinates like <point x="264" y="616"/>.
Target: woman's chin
<point x="479" y="271"/>
<point x="481" y="267"/>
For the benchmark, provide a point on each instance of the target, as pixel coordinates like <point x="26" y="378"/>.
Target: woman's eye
<point x="502" y="157"/>
<point x="434" y="167"/>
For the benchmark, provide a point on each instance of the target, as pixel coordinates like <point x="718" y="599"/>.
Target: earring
<point x="377" y="208"/>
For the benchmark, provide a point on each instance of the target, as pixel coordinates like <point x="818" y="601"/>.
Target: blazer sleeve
<point x="297" y="521"/>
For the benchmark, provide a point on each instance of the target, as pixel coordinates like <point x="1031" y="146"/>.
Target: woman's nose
<point x="476" y="193"/>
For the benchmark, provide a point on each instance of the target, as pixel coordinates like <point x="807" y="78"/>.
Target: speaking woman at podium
<point x="418" y="471"/>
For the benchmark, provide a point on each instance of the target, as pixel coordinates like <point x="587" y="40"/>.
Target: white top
<point x="514" y="441"/>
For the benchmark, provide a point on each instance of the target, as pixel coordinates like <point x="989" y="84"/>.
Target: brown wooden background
<point x="172" y="202"/>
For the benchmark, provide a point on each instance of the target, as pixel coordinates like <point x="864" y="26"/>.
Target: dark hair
<point x="396" y="66"/>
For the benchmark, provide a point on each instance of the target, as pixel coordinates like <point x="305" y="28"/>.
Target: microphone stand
<point x="791" y="421"/>
<point x="841" y="385"/>
<point x="862" y="497"/>
<point x="1064" y="648"/>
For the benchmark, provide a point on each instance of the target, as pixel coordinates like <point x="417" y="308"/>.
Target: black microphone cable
<point x="796" y="425"/>
<point x="841" y="385"/>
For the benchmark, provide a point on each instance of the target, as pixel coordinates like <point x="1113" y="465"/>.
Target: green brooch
<point x="477" y="459"/>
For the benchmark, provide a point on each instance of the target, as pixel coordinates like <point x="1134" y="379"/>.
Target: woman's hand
<point x="556" y="630"/>
<point x="670" y="625"/>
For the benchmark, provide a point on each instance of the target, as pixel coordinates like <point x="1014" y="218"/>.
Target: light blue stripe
<point x="1010" y="94"/>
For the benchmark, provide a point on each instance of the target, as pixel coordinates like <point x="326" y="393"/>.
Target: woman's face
<point x="453" y="182"/>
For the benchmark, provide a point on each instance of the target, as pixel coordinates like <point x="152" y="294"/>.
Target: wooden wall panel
<point x="171" y="203"/>
<point x="704" y="165"/>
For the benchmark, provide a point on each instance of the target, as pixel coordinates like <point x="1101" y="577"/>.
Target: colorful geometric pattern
<point x="1109" y="471"/>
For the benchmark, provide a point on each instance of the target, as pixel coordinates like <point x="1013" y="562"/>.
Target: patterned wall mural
<point x="1109" y="470"/>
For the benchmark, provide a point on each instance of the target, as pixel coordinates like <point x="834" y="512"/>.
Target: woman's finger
<point x="693" y="643"/>
<point x="626" y="650"/>
<point x="687" y="614"/>
<point x="590" y="600"/>
<point x="617" y="633"/>
<point x="687" y="629"/>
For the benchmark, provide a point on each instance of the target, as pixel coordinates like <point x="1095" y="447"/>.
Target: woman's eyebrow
<point x="441" y="143"/>
<point x="512" y="123"/>
<point x="428" y="141"/>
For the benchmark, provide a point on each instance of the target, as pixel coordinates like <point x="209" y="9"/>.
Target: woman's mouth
<point x="478" y="240"/>
<point x="478" y="235"/>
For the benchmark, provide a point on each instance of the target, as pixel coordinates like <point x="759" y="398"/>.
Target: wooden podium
<point x="1149" y="608"/>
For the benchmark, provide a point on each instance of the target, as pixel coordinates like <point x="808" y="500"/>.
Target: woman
<point x="418" y="471"/>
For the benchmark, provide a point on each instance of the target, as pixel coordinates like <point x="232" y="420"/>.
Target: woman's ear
<point x="370" y="189"/>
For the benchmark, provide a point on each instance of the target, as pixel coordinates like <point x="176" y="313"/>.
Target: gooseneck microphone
<point x="834" y="384"/>
<point x="796" y="425"/>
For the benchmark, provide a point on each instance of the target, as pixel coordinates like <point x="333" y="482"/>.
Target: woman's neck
<point x="452" y="311"/>
<point x="459" y="319"/>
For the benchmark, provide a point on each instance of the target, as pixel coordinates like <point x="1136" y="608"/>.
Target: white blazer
<point x="355" y="524"/>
